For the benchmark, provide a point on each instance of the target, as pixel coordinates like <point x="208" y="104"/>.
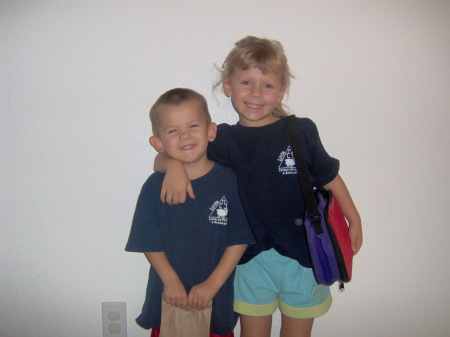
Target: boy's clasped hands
<point x="198" y="298"/>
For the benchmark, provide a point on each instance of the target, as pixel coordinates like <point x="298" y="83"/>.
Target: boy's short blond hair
<point x="176" y="96"/>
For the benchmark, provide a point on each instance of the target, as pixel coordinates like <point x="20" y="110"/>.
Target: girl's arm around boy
<point x="176" y="184"/>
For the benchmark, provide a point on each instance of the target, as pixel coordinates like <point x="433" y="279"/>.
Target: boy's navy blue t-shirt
<point x="268" y="185"/>
<point x="194" y="236"/>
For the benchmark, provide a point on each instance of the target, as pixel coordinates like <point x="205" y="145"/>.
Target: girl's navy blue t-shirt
<point x="268" y="185"/>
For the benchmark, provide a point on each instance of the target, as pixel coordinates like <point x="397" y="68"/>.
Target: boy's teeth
<point x="187" y="147"/>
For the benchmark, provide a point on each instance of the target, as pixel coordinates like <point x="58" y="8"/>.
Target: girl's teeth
<point x="254" y="105"/>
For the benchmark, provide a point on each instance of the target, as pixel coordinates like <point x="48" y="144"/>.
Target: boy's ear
<point x="226" y="86"/>
<point x="212" y="131"/>
<point x="156" y="143"/>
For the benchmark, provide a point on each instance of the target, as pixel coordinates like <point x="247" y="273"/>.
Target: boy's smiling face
<point x="184" y="133"/>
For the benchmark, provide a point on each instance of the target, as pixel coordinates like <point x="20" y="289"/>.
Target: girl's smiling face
<point x="254" y="95"/>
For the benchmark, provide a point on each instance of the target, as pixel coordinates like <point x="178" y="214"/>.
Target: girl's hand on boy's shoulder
<point x="176" y="185"/>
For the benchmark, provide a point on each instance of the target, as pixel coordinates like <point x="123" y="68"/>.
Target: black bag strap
<point x="303" y="175"/>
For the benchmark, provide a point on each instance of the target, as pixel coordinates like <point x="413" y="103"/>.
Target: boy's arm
<point x="174" y="292"/>
<point x="340" y="191"/>
<point x="203" y="293"/>
<point x="176" y="183"/>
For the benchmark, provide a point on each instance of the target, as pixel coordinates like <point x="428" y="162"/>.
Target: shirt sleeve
<point x="219" y="149"/>
<point x="145" y="234"/>
<point x="322" y="167"/>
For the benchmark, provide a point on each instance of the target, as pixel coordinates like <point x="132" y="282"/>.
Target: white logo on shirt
<point x="287" y="165"/>
<point x="219" y="212"/>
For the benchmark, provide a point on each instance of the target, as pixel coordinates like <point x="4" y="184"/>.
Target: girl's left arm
<point x="340" y="191"/>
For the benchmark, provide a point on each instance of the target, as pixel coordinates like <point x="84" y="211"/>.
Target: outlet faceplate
<point x="114" y="316"/>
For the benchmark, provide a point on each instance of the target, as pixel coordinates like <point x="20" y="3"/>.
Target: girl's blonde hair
<point x="264" y="54"/>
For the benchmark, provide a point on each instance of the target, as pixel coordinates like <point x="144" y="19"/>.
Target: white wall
<point x="78" y="77"/>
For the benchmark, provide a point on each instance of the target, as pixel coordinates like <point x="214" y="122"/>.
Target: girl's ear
<point x="226" y="83"/>
<point x="212" y="131"/>
<point x="282" y="92"/>
<point x="156" y="143"/>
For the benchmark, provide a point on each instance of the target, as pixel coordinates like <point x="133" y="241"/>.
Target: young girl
<point x="276" y="272"/>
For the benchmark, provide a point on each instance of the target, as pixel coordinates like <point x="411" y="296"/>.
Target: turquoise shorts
<point x="270" y="281"/>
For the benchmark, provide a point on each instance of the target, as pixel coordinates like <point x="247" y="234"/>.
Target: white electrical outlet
<point x="114" y="319"/>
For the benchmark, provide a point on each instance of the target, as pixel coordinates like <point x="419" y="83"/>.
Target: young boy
<point x="193" y="247"/>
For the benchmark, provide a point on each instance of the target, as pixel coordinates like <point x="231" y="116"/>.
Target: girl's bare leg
<point x="296" y="327"/>
<point x="256" y="326"/>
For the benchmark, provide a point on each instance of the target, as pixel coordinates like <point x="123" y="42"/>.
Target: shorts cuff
<point x="255" y="309"/>
<point x="311" y="312"/>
